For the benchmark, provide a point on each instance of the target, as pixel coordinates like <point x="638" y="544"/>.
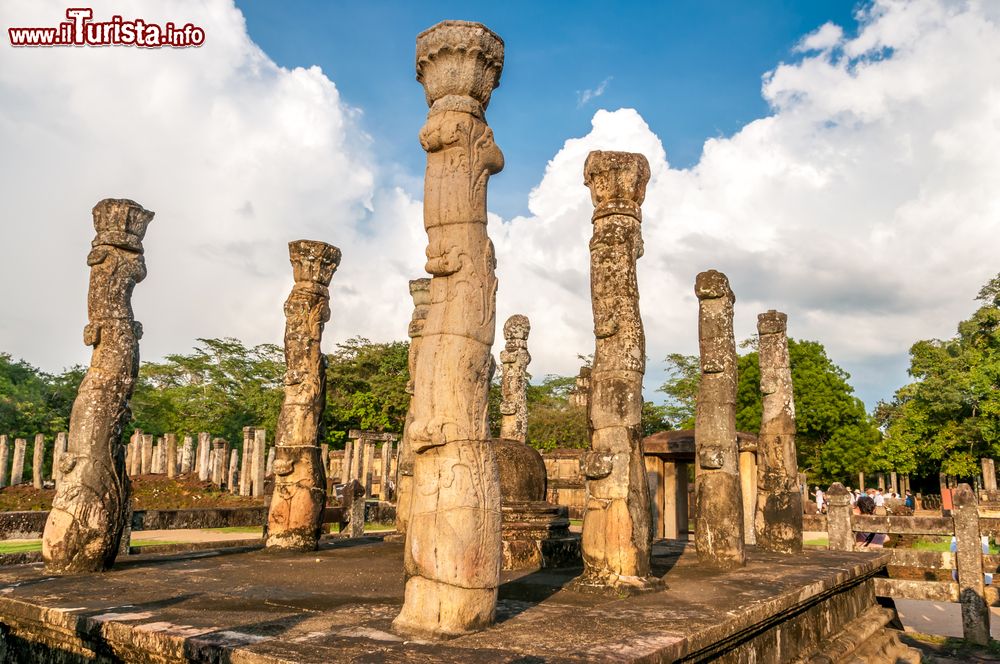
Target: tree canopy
<point x="949" y="416"/>
<point x="834" y="434"/>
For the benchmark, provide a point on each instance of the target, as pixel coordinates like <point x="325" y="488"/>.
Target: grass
<point x="254" y="530"/>
<point x="942" y="544"/>
<point x="576" y="522"/>
<point x="20" y="547"/>
<point x="819" y="541"/>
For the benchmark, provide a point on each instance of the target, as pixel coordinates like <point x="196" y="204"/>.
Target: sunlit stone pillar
<point x="4" y="459"/>
<point x="778" y="520"/>
<point x="719" y="520"/>
<point x="453" y="546"/>
<point x="17" y="466"/>
<point x="91" y="505"/>
<point x="295" y="519"/>
<point x="514" y="380"/>
<point x="617" y="529"/>
<point x="38" y="461"/>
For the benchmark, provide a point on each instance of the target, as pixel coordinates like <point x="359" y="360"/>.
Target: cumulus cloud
<point x="865" y="205"/>
<point x="824" y="37"/>
<point x="236" y="156"/>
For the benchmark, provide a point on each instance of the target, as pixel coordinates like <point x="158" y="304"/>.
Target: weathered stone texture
<point x="170" y="442"/>
<point x="778" y="519"/>
<point x="91" y="505"/>
<point x="719" y="512"/>
<point x="4" y="459"/>
<point x="37" y="461"/>
<point x="514" y="380"/>
<point x="453" y="546"/>
<point x="259" y="465"/>
<point x="147" y="454"/>
<point x="17" y="465"/>
<point x="617" y="529"/>
<point x="295" y="520"/>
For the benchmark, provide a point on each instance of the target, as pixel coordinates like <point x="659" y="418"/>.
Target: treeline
<point x="224" y="385"/>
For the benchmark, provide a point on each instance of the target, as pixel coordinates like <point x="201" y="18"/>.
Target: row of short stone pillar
<point x="210" y="460"/>
<point x="14" y="458"/>
<point x="361" y="458"/>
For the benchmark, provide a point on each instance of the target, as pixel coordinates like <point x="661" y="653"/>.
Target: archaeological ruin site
<point x="495" y="552"/>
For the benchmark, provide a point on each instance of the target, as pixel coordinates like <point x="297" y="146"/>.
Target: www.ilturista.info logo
<point x="80" y="30"/>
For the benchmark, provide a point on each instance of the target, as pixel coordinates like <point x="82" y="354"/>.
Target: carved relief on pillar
<point x="514" y="381"/>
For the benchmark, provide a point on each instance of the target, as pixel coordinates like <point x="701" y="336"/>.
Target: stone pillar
<point x="91" y="505"/>
<point x="748" y="492"/>
<point x="893" y="483"/>
<point x="187" y="455"/>
<point x="778" y="520"/>
<point x="234" y="471"/>
<point x="617" y="536"/>
<point x="420" y="291"/>
<point x="881" y="481"/>
<point x="514" y="381"/>
<point x="804" y="488"/>
<point x="838" y="518"/>
<point x="989" y="475"/>
<point x="62" y="444"/>
<point x="369" y="467"/>
<point x="246" y="468"/>
<point x="270" y="462"/>
<point x="129" y="456"/>
<point x="580" y="397"/>
<point x="861" y="481"/>
<point x="969" y="561"/>
<point x="383" y="484"/>
<point x="259" y="465"/>
<point x="204" y="454"/>
<point x="170" y="439"/>
<point x="295" y="518"/>
<point x="453" y="542"/>
<point x="157" y="468"/>
<point x="38" y="460"/>
<point x="358" y="462"/>
<point x="354" y="505"/>
<point x="345" y="468"/>
<point x="675" y="492"/>
<point x="17" y="468"/>
<point x="324" y="455"/>
<point x="4" y="459"/>
<point x="147" y="454"/>
<point x="218" y="461"/>
<point x="718" y="528"/>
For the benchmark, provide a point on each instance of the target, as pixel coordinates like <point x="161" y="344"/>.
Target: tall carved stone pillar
<point x="778" y="520"/>
<point x="4" y="459"/>
<point x="295" y="519"/>
<point x="247" y="461"/>
<point x="420" y="291"/>
<point x="187" y="455"/>
<point x="515" y="359"/>
<point x="259" y="465"/>
<point x="17" y="466"/>
<point x="37" y="460"/>
<point x="719" y="520"/>
<point x="92" y="502"/>
<point x="170" y="441"/>
<point x="617" y="528"/>
<point x="453" y="547"/>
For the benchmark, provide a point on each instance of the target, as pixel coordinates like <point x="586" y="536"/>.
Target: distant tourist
<point x="820" y="500"/>
<point x="866" y="505"/>
<point x="879" y="499"/>
<point x="910" y="502"/>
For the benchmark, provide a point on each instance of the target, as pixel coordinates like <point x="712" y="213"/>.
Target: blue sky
<point x="692" y="68"/>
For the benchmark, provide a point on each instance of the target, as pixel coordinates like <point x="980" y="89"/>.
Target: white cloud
<point x="585" y="96"/>
<point x="236" y="156"/>
<point x="823" y="38"/>
<point x="865" y="206"/>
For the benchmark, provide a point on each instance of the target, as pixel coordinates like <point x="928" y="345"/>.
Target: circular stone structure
<point x="522" y="472"/>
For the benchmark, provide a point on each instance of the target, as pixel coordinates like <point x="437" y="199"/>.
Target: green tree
<point x="949" y="416"/>
<point x="834" y="434"/>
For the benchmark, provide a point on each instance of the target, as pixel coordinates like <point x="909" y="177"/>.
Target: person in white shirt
<point x="879" y="499"/>
<point x="820" y="499"/>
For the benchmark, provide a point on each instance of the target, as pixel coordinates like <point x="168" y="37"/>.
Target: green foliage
<point x="366" y="388"/>
<point x="552" y="420"/>
<point x="949" y="417"/>
<point x="834" y="435"/>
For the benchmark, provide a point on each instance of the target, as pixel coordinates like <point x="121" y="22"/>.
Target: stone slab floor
<point x="337" y="605"/>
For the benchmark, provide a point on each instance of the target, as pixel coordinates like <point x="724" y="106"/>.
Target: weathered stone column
<point x="37" y="460"/>
<point x="269" y="468"/>
<point x="369" y="467"/>
<point x="345" y="468"/>
<point x="157" y="468"/>
<point x="187" y="455"/>
<point x="748" y="492"/>
<point x="234" y="472"/>
<point x="617" y="530"/>
<point x="295" y="519"/>
<point x="383" y="483"/>
<point x="778" y="520"/>
<point x="514" y="381"/>
<point x="453" y="542"/>
<point x="420" y="291"/>
<point x="147" y="454"/>
<point x="62" y="442"/>
<point x="218" y="463"/>
<point x="246" y="468"/>
<point x="861" y="481"/>
<point x="17" y="467"/>
<point x="170" y="440"/>
<point x="91" y="505"/>
<point x="204" y="454"/>
<point x="259" y="463"/>
<point x="718" y="531"/>
<point x="969" y="561"/>
<point x="989" y="474"/>
<point x="4" y="459"/>
<point x="838" y="518"/>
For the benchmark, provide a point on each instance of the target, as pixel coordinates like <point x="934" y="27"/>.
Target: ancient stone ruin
<point x="295" y="519"/>
<point x="616" y="525"/>
<point x="84" y="527"/>
<point x="452" y="552"/>
<point x="420" y="291"/>
<point x="778" y="520"/>
<point x="719" y="512"/>
<point x="515" y="359"/>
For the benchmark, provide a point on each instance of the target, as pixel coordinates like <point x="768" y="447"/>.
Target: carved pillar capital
<point x="772" y="322"/>
<point x="121" y="223"/>
<point x="459" y="64"/>
<point x="313" y="261"/>
<point x="617" y="182"/>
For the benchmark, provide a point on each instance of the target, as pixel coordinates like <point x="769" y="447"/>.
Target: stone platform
<point x="251" y="606"/>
